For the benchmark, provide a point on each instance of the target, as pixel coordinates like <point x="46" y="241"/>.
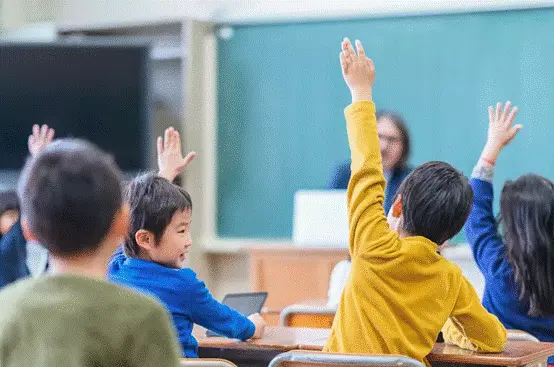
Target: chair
<point x="205" y="362"/>
<point x="521" y="335"/>
<point x="320" y="317"/>
<point x="303" y="359"/>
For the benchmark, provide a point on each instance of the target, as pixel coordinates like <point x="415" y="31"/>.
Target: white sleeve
<point x="337" y="282"/>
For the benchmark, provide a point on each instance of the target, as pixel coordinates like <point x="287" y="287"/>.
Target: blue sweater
<point x="501" y="296"/>
<point x="187" y="299"/>
<point x="13" y="256"/>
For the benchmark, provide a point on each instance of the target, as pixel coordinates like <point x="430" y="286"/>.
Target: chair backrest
<point x="521" y="335"/>
<point x="308" y="316"/>
<point x="305" y="359"/>
<point x="205" y="362"/>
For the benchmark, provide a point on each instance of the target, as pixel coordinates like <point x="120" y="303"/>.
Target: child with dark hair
<point x="20" y="258"/>
<point x="401" y="292"/>
<point x="9" y="210"/>
<point x="518" y="268"/>
<point x="71" y="203"/>
<point x="155" y="252"/>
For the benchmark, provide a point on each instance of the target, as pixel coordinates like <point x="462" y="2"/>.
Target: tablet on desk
<point x="244" y="303"/>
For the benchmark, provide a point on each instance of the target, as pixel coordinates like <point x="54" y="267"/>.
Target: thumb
<point x="513" y="132"/>
<point x="189" y="157"/>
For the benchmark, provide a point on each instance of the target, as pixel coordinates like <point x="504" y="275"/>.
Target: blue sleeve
<point x="12" y="258"/>
<point x="215" y="316"/>
<point x="481" y="232"/>
<point x="340" y="178"/>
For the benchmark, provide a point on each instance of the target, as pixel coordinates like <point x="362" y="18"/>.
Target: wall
<point x="228" y="270"/>
<point x="15" y="13"/>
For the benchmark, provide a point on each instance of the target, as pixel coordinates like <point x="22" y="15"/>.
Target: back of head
<point x="527" y="217"/>
<point x="436" y="201"/>
<point x="153" y="201"/>
<point x="70" y="193"/>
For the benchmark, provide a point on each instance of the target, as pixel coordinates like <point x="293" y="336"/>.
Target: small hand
<point x="40" y="138"/>
<point x="259" y="322"/>
<point x="170" y="157"/>
<point x="501" y="132"/>
<point x="357" y="70"/>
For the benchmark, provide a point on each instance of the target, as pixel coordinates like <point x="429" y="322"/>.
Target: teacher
<point x="395" y="151"/>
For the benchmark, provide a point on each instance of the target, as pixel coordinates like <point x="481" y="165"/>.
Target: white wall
<point x="16" y="13"/>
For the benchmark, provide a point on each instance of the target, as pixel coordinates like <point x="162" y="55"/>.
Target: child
<point x="156" y="248"/>
<point x="519" y="273"/>
<point x="19" y="258"/>
<point x="71" y="202"/>
<point x="400" y="291"/>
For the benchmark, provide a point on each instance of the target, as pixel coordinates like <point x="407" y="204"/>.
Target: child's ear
<point x="397" y="207"/>
<point x="145" y="239"/>
<point x="27" y="233"/>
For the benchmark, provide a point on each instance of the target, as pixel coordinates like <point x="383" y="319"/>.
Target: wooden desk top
<point x="516" y="353"/>
<point x="275" y="337"/>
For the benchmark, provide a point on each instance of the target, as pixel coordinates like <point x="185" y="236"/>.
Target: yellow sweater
<point x="400" y="292"/>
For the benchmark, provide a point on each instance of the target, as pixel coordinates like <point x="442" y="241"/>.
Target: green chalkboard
<point x="281" y="98"/>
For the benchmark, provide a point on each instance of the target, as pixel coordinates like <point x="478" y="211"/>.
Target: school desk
<point x="281" y="339"/>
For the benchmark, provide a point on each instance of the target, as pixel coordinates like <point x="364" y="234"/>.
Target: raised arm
<point x="480" y="229"/>
<point x="170" y="157"/>
<point x="369" y="229"/>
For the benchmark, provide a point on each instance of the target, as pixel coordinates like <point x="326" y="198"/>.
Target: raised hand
<point x="170" y="157"/>
<point x="357" y="70"/>
<point x="501" y="131"/>
<point x="40" y="138"/>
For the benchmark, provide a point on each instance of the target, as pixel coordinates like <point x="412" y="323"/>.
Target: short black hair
<point x="401" y="125"/>
<point x="153" y="201"/>
<point x="70" y="193"/>
<point x="436" y="201"/>
<point x="8" y="201"/>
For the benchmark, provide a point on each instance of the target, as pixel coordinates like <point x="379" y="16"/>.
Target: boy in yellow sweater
<point x="401" y="292"/>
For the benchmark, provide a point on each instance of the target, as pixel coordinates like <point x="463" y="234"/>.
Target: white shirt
<point x="37" y="258"/>
<point x="337" y="282"/>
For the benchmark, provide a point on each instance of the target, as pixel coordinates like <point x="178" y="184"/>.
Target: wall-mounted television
<point x="98" y="91"/>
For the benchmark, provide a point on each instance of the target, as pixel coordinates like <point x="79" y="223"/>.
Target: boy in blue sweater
<point x="156" y="249"/>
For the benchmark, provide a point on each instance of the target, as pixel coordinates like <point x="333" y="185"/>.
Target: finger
<point x="50" y="136"/>
<point x="491" y="114"/>
<point x="343" y="63"/>
<point x="167" y="133"/>
<point x="43" y="131"/>
<point x="513" y="132"/>
<point x="186" y="161"/>
<point x="370" y="64"/>
<point x="506" y="110"/>
<point x="512" y="115"/>
<point x="349" y="49"/>
<point x="360" y="49"/>
<point x="498" y="108"/>
<point x="177" y="140"/>
<point x="160" y="145"/>
<point x="36" y="129"/>
<point x="31" y="141"/>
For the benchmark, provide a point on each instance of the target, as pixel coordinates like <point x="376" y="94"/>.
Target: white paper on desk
<point x="320" y="218"/>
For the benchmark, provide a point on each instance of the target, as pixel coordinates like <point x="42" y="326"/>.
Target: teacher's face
<point x="391" y="142"/>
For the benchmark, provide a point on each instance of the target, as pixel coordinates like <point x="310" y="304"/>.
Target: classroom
<point x="276" y="183"/>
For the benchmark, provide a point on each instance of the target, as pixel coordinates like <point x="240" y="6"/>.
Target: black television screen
<point x="99" y="92"/>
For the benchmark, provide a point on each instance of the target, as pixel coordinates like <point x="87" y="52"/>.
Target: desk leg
<point x="241" y="357"/>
